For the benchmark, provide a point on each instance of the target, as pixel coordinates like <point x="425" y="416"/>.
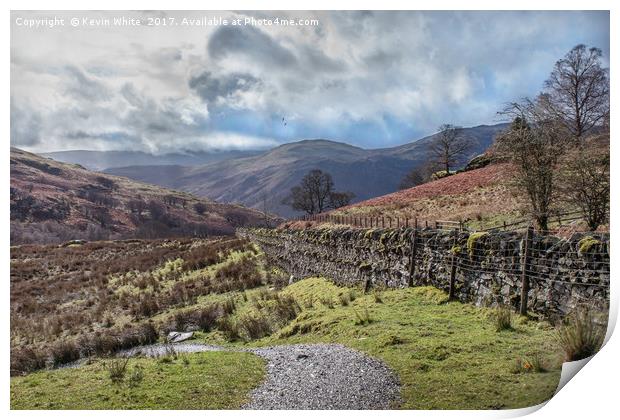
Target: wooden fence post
<point x="525" y="284"/>
<point x="452" y="268"/>
<point x="412" y="264"/>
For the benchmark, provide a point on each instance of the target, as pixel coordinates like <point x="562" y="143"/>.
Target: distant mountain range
<point x="262" y="180"/>
<point x="97" y="161"/>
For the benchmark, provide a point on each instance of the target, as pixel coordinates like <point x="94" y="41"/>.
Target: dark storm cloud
<point x="25" y="126"/>
<point x="251" y="42"/>
<point x="210" y="88"/>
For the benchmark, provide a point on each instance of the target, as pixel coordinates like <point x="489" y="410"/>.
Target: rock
<point x="478" y="162"/>
<point x="177" y="337"/>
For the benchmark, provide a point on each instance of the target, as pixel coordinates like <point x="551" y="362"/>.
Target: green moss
<point x="455" y="250"/>
<point x="472" y="240"/>
<point x="586" y="243"/>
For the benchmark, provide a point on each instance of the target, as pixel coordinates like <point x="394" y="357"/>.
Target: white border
<point x="591" y="395"/>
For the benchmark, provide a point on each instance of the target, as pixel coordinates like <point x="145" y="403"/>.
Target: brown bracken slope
<point x="54" y="202"/>
<point x="476" y="197"/>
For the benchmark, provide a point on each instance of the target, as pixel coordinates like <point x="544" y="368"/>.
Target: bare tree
<point x="449" y="146"/>
<point x="585" y="180"/>
<point x="340" y="199"/>
<point x="316" y="194"/>
<point x="413" y="178"/>
<point x="266" y="206"/>
<point x="534" y="145"/>
<point x="577" y="91"/>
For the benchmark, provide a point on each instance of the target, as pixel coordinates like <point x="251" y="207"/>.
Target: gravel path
<point x="156" y="350"/>
<point x="305" y="376"/>
<point x="323" y="376"/>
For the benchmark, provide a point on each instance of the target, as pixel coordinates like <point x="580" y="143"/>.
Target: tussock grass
<point x="502" y="318"/>
<point x="580" y="336"/>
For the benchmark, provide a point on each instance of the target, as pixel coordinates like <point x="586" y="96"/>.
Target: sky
<point x="185" y="81"/>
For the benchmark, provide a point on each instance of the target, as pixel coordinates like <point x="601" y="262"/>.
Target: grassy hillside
<point x="446" y="354"/>
<point x="56" y="202"/>
<point x="479" y="197"/>
<point x="263" y="180"/>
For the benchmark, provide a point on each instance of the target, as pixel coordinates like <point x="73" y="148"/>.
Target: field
<point x="446" y="354"/>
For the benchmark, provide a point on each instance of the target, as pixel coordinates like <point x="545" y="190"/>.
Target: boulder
<point x="177" y="337"/>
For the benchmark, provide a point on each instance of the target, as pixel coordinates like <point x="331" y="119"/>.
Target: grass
<point x="503" y="318"/>
<point x="448" y="355"/>
<point x="580" y="336"/>
<point x="211" y="380"/>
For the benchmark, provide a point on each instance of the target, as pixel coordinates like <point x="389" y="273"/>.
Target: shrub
<point x="25" y="360"/>
<point x="352" y="295"/>
<point x="255" y="326"/>
<point x="580" y="336"/>
<point x="117" y="368"/>
<point x="378" y="296"/>
<point x="328" y="302"/>
<point x="363" y="317"/>
<point x="537" y="364"/>
<point x="63" y="352"/>
<point x="206" y="318"/>
<point x="502" y="317"/>
<point x="229" y="328"/>
<point x="229" y="306"/>
<point x="286" y="307"/>
<point x="534" y="364"/>
<point x="145" y="307"/>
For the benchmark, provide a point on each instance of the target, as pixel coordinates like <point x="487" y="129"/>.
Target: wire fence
<point x="540" y="266"/>
<point x="559" y="224"/>
<point x="383" y="222"/>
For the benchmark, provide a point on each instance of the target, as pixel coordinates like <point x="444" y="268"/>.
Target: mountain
<point x="97" y="161"/>
<point x="262" y="181"/>
<point x="56" y="202"/>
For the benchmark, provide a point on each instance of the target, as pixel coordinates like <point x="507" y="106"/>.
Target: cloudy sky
<point x="372" y="79"/>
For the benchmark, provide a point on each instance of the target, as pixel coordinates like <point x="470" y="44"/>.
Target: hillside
<point x="477" y="197"/>
<point x="55" y="202"/>
<point x="262" y="181"/>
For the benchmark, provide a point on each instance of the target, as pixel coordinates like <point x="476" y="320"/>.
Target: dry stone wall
<point x="486" y="268"/>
